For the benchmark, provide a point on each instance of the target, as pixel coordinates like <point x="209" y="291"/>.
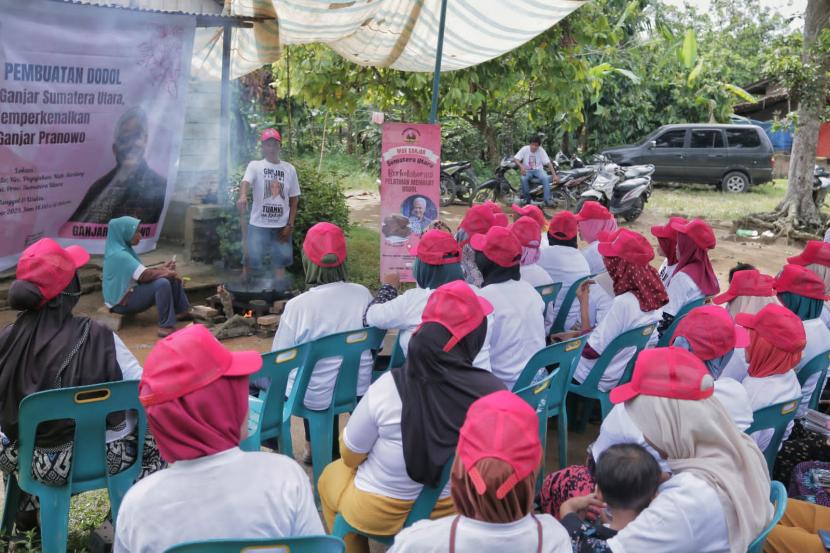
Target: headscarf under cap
<point x="316" y="275"/>
<point x="767" y="360"/>
<point x="805" y="308"/>
<point x="530" y="256"/>
<point x="641" y="280"/>
<point x="590" y="229"/>
<point x="824" y="272"/>
<point x="699" y="437"/>
<point x="486" y="507"/>
<point x="749" y="304"/>
<point x="432" y="276"/>
<point x="493" y="273"/>
<point x="694" y="261"/>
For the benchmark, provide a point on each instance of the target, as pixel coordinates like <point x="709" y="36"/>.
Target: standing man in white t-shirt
<point x="531" y="160"/>
<point x="276" y="194"/>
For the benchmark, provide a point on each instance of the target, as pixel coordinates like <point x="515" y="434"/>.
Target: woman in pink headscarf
<point x="594" y="219"/>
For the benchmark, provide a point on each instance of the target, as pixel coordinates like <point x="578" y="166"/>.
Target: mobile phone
<point x="174" y="258"/>
<point x="825" y="538"/>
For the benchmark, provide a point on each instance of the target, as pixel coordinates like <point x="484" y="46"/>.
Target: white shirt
<point x="518" y="328"/>
<point x="666" y="271"/>
<point x="825" y="316"/>
<point x="566" y="265"/>
<point x="685" y="517"/>
<point x="600" y="298"/>
<point x="734" y="397"/>
<point x="818" y="341"/>
<point x="231" y="494"/>
<point x="624" y="315"/>
<point x="737" y="366"/>
<point x="594" y="258"/>
<point x="681" y="290"/>
<point x="130" y="370"/>
<point x="321" y="311"/>
<point x="767" y="391"/>
<point x="273" y="184"/>
<point x="536" y="276"/>
<point x="473" y="536"/>
<point x="532" y="160"/>
<point x="375" y="428"/>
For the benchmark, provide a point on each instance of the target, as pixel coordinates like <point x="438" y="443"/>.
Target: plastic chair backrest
<point x="669" y="332"/>
<point x="778" y="497"/>
<point x="549" y="293"/>
<point x="817" y="364"/>
<point x="565" y="308"/>
<point x="276" y="367"/>
<point x="561" y="353"/>
<point x="776" y="417"/>
<point x="397" y="358"/>
<point x="305" y="544"/>
<point x="536" y="395"/>
<point x="426" y="500"/>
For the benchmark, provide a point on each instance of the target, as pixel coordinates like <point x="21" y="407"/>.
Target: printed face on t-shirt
<point x="273" y="192"/>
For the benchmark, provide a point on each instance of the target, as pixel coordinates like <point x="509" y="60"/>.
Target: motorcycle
<point x="821" y="184"/>
<point x="623" y="190"/>
<point x="562" y="159"/>
<point x="457" y="182"/>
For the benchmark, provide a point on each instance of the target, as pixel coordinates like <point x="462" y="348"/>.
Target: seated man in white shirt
<point x="532" y="159"/>
<point x="195" y="393"/>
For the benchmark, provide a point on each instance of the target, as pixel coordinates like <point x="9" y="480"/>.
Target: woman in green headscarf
<point x="130" y="287"/>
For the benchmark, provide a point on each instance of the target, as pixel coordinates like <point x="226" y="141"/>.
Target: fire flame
<point x="249" y="314"/>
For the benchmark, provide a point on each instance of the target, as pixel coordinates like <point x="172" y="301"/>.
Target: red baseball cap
<point x="438" y="247"/>
<point x="477" y="220"/>
<point x="499" y="218"/>
<point x="802" y="281"/>
<point x="777" y="325"/>
<point x="457" y="308"/>
<point x="500" y="426"/>
<point x="669" y="372"/>
<point x="593" y="210"/>
<point x="628" y="245"/>
<point x="531" y="211"/>
<point x="711" y="332"/>
<point x="563" y="226"/>
<point x="189" y="360"/>
<point x="699" y="231"/>
<point x="50" y="267"/>
<point x="815" y="251"/>
<point x="666" y="231"/>
<point x="527" y="231"/>
<point x="268" y="134"/>
<point x="325" y="239"/>
<point x="749" y="282"/>
<point x="499" y="245"/>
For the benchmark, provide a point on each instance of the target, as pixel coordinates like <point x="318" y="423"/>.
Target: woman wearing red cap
<point x="667" y="241"/>
<point x="639" y="295"/>
<point x="535" y="213"/>
<point x="330" y="305"/>
<point x="749" y="292"/>
<point x="493" y="479"/>
<point x="195" y="394"/>
<point x="594" y="219"/>
<point x="527" y="231"/>
<point x="816" y="257"/>
<point x="405" y="428"/>
<point x="48" y="347"/>
<point x="477" y="220"/>
<point x="776" y="343"/>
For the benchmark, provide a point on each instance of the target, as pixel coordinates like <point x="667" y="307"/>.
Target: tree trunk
<point x="482" y="125"/>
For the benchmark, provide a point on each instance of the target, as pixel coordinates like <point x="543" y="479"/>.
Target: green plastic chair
<point x="817" y="364"/>
<point x="421" y="510"/>
<point x="306" y="544"/>
<point x="778" y="497"/>
<point x="565" y="308"/>
<point x="669" y="332"/>
<point x="265" y="420"/>
<point x="348" y="345"/>
<point x="776" y="417"/>
<point x="635" y="338"/>
<point x="536" y="395"/>
<point x="549" y="292"/>
<point x="398" y="357"/>
<point x="88" y="406"/>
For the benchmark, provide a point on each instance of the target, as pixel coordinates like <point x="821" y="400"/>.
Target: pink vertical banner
<point x="410" y="173"/>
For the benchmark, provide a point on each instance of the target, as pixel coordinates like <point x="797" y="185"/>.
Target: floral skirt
<point x="559" y="486"/>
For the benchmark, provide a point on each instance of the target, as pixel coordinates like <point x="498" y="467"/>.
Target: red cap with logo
<point x="477" y="220"/>
<point x="815" y="251"/>
<point x="666" y="231"/>
<point x="628" y="245"/>
<point x="802" y="281"/>
<point x="189" y="360"/>
<point x="499" y="245"/>
<point x="531" y="211"/>
<point x="268" y="134"/>
<point x="322" y="240"/>
<point x="457" y="308"/>
<point x="527" y="231"/>
<point x="50" y="267"/>
<point x="593" y="210"/>
<point x="777" y="325"/>
<point x="563" y="226"/>
<point x="438" y="248"/>
<point x="699" y="231"/>
<point x="500" y="426"/>
<point x="669" y="372"/>
<point x="749" y="282"/>
<point x="711" y="332"/>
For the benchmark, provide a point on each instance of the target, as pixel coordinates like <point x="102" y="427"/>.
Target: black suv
<point x="730" y="156"/>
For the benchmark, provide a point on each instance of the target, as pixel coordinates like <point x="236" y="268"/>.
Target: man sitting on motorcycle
<point x="531" y="160"/>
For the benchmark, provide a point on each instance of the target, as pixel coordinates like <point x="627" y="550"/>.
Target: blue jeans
<point x="261" y="240"/>
<point x="542" y="176"/>
<point x="168" y="297"/>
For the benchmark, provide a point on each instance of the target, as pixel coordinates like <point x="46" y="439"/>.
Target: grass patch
<point x="349" y="171"/>
<point x="705" y="201"/>
<point x="364" y="257"/>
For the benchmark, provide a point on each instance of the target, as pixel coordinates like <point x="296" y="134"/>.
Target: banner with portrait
<point x="410" y="175"/>
<point x="91" y="115"/>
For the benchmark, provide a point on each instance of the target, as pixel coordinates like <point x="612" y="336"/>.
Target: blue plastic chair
<point x="776" y="417"/>
<point x="349" y="346"/>
<point x="635" y="338"/>
<point x="817" y="364"/>
<point x="88" y="406"/>
<point x="668" y="334"/>
<point x="306" y="544"/>
<point x="398" y="357"/>
<point x="536" y="395"/>
<point x="549" y="292"/>
<point x="778" y="497"/>
<point x="565" y="308"/>
<point x="265" y="420"/>
<point x="421" y="510"/>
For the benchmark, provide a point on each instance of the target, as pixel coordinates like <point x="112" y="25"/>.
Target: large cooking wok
<point x="258" y="288"/>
